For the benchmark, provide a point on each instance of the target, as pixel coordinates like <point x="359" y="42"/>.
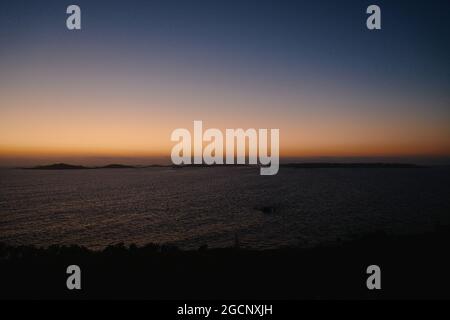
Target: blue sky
<point x="272" y="61"/>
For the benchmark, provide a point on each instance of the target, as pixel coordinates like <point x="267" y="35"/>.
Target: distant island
<point x="116" y="166"/>
<point x="58" y="166"/>
<point x="349" y="165"/>
<point x="305" y="165"/>
<point x="65" y="166"/>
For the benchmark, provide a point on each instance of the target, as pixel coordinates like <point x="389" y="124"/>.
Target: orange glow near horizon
<point x="118" y="89"/>
<point x="122" y="138"/>
<point x="105" y="122"/>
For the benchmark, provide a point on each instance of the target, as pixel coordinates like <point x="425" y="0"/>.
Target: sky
<point x="138" y="70"/>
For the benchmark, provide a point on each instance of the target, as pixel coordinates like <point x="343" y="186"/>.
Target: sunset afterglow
<point x="100" y="92"/>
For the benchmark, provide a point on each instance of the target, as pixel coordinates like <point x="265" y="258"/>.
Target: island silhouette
<point x="65" y="166"/>
<point x="302" y="165"/>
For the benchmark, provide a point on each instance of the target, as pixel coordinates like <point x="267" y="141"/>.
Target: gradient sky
<point x="139" y="69"/>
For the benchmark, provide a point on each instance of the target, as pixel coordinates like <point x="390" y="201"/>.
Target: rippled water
<point x="190" y="207"/>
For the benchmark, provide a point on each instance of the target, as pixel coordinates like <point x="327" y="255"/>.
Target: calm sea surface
<point x="190" y="207"/>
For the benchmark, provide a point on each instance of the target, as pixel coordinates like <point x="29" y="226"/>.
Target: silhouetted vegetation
<point x="413" y="266"/>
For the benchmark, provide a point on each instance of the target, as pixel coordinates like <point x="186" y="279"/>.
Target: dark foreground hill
<point x="414" y="266"/>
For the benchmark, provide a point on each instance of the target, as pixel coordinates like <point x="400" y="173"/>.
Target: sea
<point x="225" y="206"/>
